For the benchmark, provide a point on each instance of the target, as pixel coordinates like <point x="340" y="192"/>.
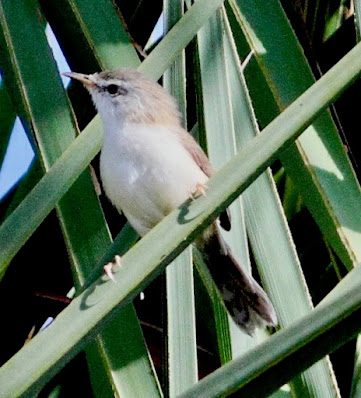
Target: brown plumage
<point x="150" y="165"/>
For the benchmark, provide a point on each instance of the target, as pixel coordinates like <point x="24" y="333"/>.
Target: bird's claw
<point x="199" y="190"/>
<point x="110" y="268"/>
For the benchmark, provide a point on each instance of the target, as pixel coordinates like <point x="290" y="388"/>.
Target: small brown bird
<point x="150" y="165"/>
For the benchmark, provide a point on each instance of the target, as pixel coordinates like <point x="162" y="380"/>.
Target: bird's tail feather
<point x="245" y="300"/>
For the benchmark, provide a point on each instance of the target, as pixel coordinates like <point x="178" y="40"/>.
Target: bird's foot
<point x="110" y="268"/>
<point x="198" y="190"/>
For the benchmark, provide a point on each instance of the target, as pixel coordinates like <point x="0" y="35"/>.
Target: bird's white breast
<point x="146" y="172"/>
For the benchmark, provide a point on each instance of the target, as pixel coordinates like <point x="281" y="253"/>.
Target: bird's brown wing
<point x="203" y="162"/>
<point x="196" y="152"/>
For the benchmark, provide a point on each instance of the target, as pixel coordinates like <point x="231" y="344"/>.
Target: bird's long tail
<point x="243" y="297"/>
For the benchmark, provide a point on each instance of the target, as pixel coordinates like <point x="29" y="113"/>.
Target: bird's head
<point x="129" y="95"/>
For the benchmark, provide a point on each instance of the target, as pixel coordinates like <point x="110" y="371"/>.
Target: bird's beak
<point x="85" y="79"/>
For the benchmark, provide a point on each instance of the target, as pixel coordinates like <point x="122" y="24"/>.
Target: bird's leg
<point x="110" y="268"/>
<point x="198" y="190"/>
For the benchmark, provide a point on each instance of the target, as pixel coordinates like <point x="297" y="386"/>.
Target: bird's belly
<point x="147" y="187"/>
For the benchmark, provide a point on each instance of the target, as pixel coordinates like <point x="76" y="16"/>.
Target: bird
<point x="150" y="165"/>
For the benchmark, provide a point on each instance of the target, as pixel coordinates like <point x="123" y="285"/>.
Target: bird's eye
<point x="112" y="89"/>
<point x="115" y="90"/>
